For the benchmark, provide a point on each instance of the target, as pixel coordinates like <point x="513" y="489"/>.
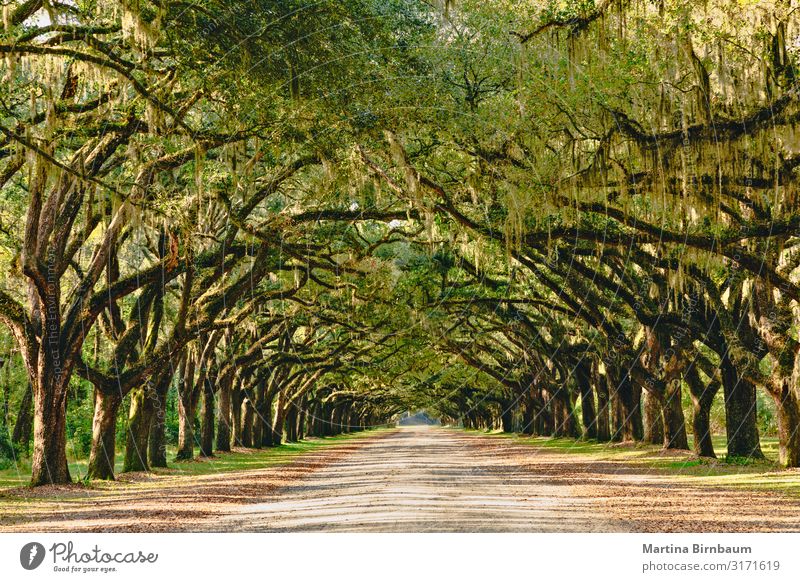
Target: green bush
<point x="171" y="419"/>
<point x="79" y="419"/>
<point x="8" y="452"/>
<point x="766" y="415"/>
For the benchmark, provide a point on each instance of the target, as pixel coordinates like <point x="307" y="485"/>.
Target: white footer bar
<point x="387" y="557"/>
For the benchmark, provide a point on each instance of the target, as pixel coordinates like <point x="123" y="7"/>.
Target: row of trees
<point x="302" y="217"/>
<point x="171" y="216"/>
<point x="642" y="183"/>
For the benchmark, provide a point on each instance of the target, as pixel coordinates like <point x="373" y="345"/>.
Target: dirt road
<point x="424" y="479"/>
<point x="414" y="479"/>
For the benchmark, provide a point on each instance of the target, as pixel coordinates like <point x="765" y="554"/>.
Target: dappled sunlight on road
<point x="420" y="479"/>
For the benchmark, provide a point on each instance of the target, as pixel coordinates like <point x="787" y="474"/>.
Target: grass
<point x="683" y="465"/>
<point x="240" y="460"/>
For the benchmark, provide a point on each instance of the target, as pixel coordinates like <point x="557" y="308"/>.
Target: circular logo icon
<point x="31" y="555"/>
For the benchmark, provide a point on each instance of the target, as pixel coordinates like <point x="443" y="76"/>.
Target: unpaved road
<point x="416" y="479"/>
<point x="423" y="479"/>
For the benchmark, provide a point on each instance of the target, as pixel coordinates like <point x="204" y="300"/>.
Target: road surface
<point x="429" y="479"/>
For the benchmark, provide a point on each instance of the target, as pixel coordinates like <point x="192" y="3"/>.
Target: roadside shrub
<point x="766" y="415"/>
<point x="8" y="452"/>
<point x="171" y="419"/>
<point x="79" y="420"/>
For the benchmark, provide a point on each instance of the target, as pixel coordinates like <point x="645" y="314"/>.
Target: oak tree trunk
<point x="207" y="420"/>
<point x="49" y="463"/>
<point x="291" y="423"/>
<point x="139" y="419"/>
<point x="157" y="446"/>
<point x="277" y="424"/>
<point x="740" y="413"/>
<point x="702" y="398"/>
<point x="265" y="418"/>
<point x="247" y="423"/>
<point x="653" y="423"/>
<point x="301" y="420"/>
<point x="588" y="414"/>
<point x="788" y="409"/>
<point x="186" y="414"/>
<point x="603" y="408"/>
<point x="104" y="435"/>
<point x="674" y="420"/>
<point x="187" y="405"/>
<point x="528" y="413"/>
<point x="628" y="425"/>
<point x="507" y="417"/>
<point x="224" y="416"/>
<point x="237" y="396"/>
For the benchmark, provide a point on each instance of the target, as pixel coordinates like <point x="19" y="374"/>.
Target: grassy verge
<point x="239" y="460"/>
<point x="683" y="465"/>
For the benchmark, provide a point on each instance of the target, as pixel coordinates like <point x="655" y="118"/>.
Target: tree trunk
<point x="258" y="429"/>
<point x="788" y="408"/>
<point x="336" y="420"/>
<point x="547" y="415"/>
<point x="265" y="417"/>
<point x="277" y="425"/>
<point x="301" y="420"/>
<point x="139" y="419"/>
<point x="653" y="401"/>
<point x="603" y="408"/>
<point x="528" y="413"/>
<point x="588" y="414"/>
<point x="157" y="446"/>
<point x="321" y="420"/>
<point x="570" y="422"/>
<point x="653" y="423"/>
<point x="291" y="423"/>
<point x="327" y="419"/>
<point x="740" y="413"/>
<point x="224" y="416"/>
<point x="617" y="414"/>
<point x="563" y="415"/>
<point x="352" y="422"/>
<point x="344" y="418"/>
<point x="237" y="396"/>
<point x="311" y="417"/>
<point x="49" y="463"/>
<point x="540" y="424"/>
<point x="258" y="420"/>
<point x="635" y="411"/>
<point x="207" y="420"/>
<point x="186" y="413"/>
<point x="506" y="416"/>
<point x="702" y="398"/>
<point x="104" y="434"/>
<point x="247" y="423"/>
<point x="674" y="420"/>
<point x="187" y="404"/>
<point x="627" y="413"/>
